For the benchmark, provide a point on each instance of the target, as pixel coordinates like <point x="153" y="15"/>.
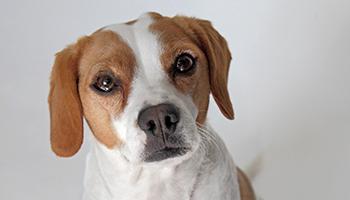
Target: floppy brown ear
<point x="219" y="57"/>
<point x="66" y="116"/>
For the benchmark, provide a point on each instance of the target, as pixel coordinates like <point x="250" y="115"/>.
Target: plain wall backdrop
<point x="289" y="82"/>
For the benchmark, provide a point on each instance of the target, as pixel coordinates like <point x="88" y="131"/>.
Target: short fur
<point x="140" y="53"/>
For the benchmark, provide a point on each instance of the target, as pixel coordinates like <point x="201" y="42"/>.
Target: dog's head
<point x="142" y="86"/>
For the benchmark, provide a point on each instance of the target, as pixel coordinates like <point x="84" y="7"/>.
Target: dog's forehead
<point x="143" y="42"/>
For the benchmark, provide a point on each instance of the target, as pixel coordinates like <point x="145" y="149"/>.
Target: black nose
<point x="159" y="120"/>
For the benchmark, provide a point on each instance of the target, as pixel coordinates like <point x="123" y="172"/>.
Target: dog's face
<point x="143" y="87"/>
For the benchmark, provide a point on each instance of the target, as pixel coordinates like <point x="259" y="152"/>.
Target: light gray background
<point x="289" y="82"/>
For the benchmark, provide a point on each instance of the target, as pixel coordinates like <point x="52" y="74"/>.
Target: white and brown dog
<point x="143" y="87"/>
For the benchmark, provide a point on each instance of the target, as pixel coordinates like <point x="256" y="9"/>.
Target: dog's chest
<point x="140" y="184"/>
<point x="156" y="185"/>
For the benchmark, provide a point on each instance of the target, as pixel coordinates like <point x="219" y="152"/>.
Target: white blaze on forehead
<point x="150" y="83"/>
<point x="148" y="50"/>
<point x="145" y="46"/>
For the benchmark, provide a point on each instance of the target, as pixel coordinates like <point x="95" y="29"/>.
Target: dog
<point x="143" y="87"/>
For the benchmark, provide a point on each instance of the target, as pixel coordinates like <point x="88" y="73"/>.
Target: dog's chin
<point x="174" y="154"/>
<point x="167" y="153"/>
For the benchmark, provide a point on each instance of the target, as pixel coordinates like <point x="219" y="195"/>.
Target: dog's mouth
<point x="166" y="152"/>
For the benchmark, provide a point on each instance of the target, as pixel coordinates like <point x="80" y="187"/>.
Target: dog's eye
<point x="184" y="63"/>
<point x="105" y="83"/>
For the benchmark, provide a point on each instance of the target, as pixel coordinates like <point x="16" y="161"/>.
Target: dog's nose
<point x="159" y="120"/>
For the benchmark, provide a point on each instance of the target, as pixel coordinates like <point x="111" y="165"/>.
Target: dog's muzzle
<point x="160" y="124"/>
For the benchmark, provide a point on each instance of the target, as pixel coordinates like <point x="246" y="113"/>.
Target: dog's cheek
<point x="198" y="87"/>
<point x="200" y="94"/>
<point x="134" y="139"/>
<point x="98" y="112"/>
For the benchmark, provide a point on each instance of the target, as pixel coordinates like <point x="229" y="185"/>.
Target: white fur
<point x="205" y="173"/>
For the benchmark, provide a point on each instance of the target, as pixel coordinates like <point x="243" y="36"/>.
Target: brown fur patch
<point x="131" y="22"/>
<point x="196" y="84"/>
<point x="107" y="52"/>
<point x="154" y="15"/>
<point x="79" y="63"/>
<point x="199" y="38"/>
<point x="218" y="57"/>
<point x="66" y="116"/>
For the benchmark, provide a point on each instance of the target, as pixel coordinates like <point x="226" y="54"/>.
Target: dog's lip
<point x="172" y="149"/>
<point x="167" y="152"/>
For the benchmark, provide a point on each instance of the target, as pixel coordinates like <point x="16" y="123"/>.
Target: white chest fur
<point x="208" y="174"/>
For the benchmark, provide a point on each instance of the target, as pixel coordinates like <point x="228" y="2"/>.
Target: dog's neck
<point x="110" y="176"/>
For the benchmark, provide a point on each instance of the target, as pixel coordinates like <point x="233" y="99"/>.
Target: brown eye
<point x="184" y="63"/>
<point x="105" y="83"/>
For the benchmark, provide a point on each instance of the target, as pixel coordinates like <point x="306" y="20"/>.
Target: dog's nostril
<point x="170" y="120"/>
<point x="151" y="126"/>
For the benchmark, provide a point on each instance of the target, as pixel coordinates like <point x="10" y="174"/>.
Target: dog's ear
<point x="218" y="55"/>
<point x="66" y="115"/>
